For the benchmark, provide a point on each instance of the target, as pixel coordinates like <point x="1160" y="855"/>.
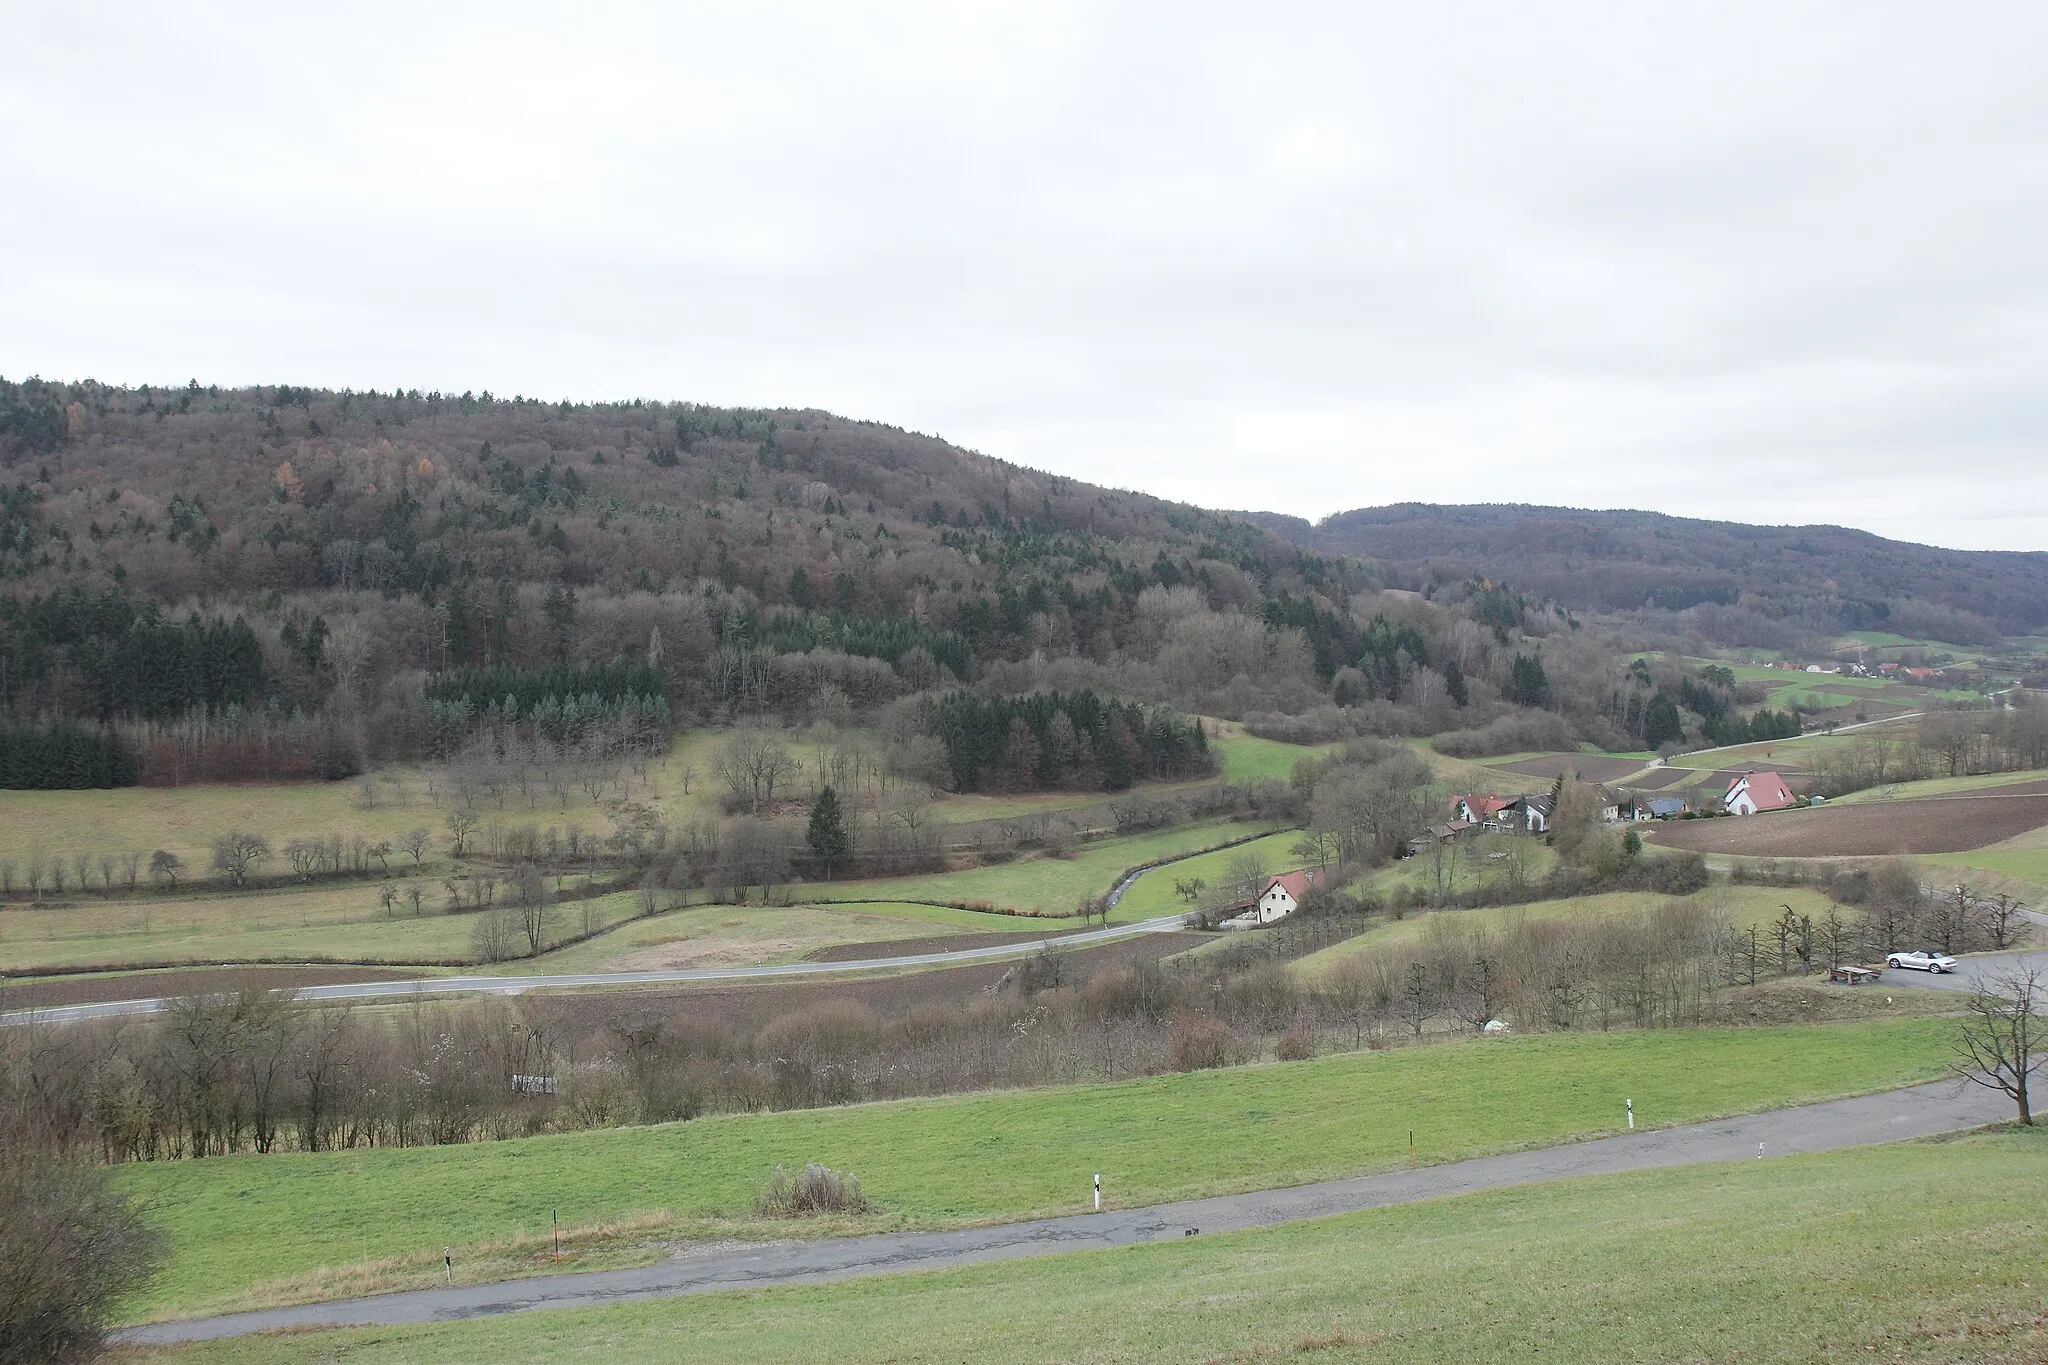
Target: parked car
<point x="1922" y="962"/>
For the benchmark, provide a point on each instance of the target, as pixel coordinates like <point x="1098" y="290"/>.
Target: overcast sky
<point x="1775" y="262"/>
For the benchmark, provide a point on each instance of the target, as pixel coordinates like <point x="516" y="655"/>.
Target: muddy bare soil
<point x="936" y="943"/>
<point x="744" y="1006"/>
<point x="1589" y="767"/>
<point x="1928" y="824"/>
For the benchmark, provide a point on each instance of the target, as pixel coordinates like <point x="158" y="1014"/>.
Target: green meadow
<point x="1802" y="1259"/>
<point x="241" y="1225"/>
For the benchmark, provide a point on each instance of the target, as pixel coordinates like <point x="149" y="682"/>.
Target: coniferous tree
<point x="826" y="834"/>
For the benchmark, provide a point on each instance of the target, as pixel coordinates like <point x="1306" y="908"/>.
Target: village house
<point x="1760" y="791"/>
<point x="1481" y="810"/>
<point x="1658" y="808"/>
<point x="1284" y="894"/>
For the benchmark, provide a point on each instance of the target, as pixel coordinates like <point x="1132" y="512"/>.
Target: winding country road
<point x="1923" y="1111"/>
<point x="519" y="985"/>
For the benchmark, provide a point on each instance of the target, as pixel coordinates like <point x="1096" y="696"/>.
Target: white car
<point x="1922" y="962"/>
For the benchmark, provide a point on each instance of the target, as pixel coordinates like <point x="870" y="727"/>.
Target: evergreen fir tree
<point x="827" y="832"/>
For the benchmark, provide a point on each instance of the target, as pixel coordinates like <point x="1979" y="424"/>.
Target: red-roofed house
<point x="1753" y="792"/>
<point x="1284" y="893"/>
<point x="1479" y="809"/>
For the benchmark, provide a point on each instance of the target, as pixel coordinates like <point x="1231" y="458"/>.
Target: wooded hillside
<point x="1754" y="585"/>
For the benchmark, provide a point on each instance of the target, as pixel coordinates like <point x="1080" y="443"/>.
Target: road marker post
<point x="555" y="1231"/>
<point x="448" y="1261"/>
<point x="1098" y="1192"/>
<point x="1411" y="1149"/>
<point x="1631" y="1114"/>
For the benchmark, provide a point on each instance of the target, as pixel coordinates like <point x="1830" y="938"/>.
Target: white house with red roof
<point x="1284" y="894"/>
<point x="1753" y="792"/>
<point x="1480" y="809"/>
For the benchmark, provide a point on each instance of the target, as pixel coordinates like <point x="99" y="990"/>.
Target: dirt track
<point x="1928" y="824"/>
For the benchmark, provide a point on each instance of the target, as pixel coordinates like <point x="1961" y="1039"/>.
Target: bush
<point x="72" y="1248"/>
<point x="819" y="1189"/>
<point x="1201" y="1043"/>
<point x="1296" y="1045"/>
<point x="1518" y="732"/>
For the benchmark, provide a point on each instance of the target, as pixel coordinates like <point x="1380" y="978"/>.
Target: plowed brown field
<point x="1929" y="824"/>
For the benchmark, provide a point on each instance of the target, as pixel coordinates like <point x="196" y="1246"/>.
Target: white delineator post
<point x="1098" y="1192"/>
<point x="1631" y="1114"/>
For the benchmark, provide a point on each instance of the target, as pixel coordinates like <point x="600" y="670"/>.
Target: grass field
<point x="1743" y="905"/>
<point x="238" y="1223"/>
<point x="186" y="820"/>
<point x="346" y="922"/>
<point x="1050" y="885"/>
<point x="1804" y="1259"/>
<point x="340" y="923"/>
<point x="1247" y="758"/>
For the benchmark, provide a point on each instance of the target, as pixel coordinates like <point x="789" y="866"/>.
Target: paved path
<point x="519" y="985"/>
<point x="1944" y="1106"/>
<point x="1971" y="972"/>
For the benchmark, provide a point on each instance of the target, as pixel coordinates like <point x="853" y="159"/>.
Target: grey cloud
<point x="1758" y="262"/>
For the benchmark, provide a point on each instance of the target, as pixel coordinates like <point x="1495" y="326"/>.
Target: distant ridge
<point x="1811" y="577"/>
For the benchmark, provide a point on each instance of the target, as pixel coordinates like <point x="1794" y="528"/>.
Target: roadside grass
<point x="710" y="935"/>
<point x="238" y="1224"/>
<point x="1800" y="1259"/>
<point x="1045" y="884"/>
<point x="1939" y="786"/>
<point x="1743" y="905"/>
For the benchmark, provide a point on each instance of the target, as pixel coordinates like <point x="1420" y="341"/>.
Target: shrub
<point x="1296" y="1045"/>
<point x="819" y="1189"/>
<point x="1515" y="733"/>
<point x="1201" y="1043"/>
<point x="73" y="1247"/>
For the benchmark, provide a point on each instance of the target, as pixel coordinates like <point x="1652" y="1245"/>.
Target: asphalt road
<point x="1971" y="972"/>
<point x="519" y="985"/>
<point x="1945" y="1106"/>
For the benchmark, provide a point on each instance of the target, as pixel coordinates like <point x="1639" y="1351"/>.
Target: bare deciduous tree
<point x="1995" y="1046"/>
<point x="236" y="855"/>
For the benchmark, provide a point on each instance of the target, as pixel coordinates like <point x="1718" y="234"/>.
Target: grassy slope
<point x="244" y="1221"/>
<point x="1744" y="905"/>
<point x="1054" y="885"/>
<point x="1806" y="1258"/>
<point x="347" y="922"/>
<point x="1939" y="786"/>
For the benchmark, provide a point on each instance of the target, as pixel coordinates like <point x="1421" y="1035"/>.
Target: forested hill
<point x="1746" y="584"/>
<point x="369" y="540"/>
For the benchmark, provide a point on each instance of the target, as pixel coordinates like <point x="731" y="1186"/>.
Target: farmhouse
<point x="1536" y="814"/>
<point x="1660" y="808"/>
<point x="1284" y="893"/>
<point x="1753" y="792"/>
<point x="1480" y="810"/>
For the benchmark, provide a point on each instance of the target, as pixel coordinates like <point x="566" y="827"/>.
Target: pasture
<point x="347" y="921"/>
<point x="1045" y="885"/>
<point x="1742" y="906"/>
<point x="1803" y="1259"/>
<point x="242" y="1227"/>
